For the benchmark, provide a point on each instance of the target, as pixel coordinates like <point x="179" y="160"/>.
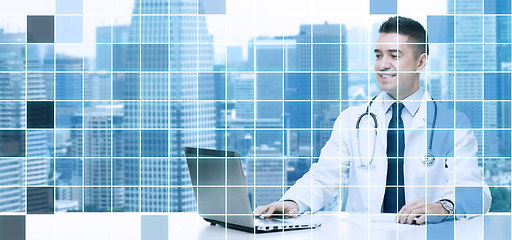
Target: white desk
<point x="335" y="225"/>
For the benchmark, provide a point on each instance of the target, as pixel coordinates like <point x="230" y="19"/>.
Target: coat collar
<point x="411" y="103"/>
<point x="418" y="120"/>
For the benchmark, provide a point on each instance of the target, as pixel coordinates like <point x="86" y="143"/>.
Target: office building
<point x="187" y="56"/>
<point x="320" y="51"/>
<point x="18" y="172"/>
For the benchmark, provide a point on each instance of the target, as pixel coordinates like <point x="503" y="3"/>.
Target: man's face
<point x="396" y="67"/>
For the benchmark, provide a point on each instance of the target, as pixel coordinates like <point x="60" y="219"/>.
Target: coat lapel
<point x="418" y="121"/>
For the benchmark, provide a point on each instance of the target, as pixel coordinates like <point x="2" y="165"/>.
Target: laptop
<point x="219" y="185"/>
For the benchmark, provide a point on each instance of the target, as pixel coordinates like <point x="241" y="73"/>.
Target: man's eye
<point x="394" y="56"/>
<point x="378" y="56"/>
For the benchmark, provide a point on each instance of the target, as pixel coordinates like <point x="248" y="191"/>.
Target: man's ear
<point x="421" y="62"/>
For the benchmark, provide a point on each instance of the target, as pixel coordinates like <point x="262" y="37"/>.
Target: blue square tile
<point x="269" y="86"/>
<point x="440" y="29"/>
<point x="154" y="86"/>
<point x="383" y="6"/>
<point x="473" y="7"/>
<point x="69" y="6"/>
<point x="126" y="86"/>
<point x="497" y="86"/>
<point x="297" y="86"/>
<point x="103" y="57"/>
<point x="500" y="196"/>
<point x="40" y="29"/>
<point x="69" y="171"/>
<point x="468" y="200"/>
<point x="209" y="91"/>
<point x="497" y="143"/>
<point x="68" y="86"/>
<point x="472" y="110"/>
<point x="325" y="113"/>
<point x="126" y="57"/>
<point x="241" y="86"/>
<point x="40" y="200"/>
<point x="445" y="116"/>
<point x="496" y="6"/>
<point x="154" y="227"/>
<point x="212" y="6"/>
<point x="326" y="86"/>
<point x="442" y="230"/>
<point x="12" y="227"/>
<point x="126" y="172"/>
<point x="475" y="23"/>
<point x="269" y="143"/>
<point x="154" y="143"/>
<point x="155" y="29"/>
<point x="126" y="143"/>
<point x="68" y="114"/>
<point x="269" y="114"/>
<point x="297" y="114"/>
<point x="497" y="227"/>
<point x="12" y="143"/>
<point x="499" y="118"/>
<point x="155" y="57"/>
<point x="40" y="114"/>
<point x="69" y="29"/>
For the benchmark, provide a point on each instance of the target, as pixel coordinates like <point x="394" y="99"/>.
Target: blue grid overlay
<point x="105" y="132"/>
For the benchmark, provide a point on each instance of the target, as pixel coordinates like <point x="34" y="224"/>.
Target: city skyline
<point x="155" y="89"/>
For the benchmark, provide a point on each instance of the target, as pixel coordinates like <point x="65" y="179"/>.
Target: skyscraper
<point x="18" y="171"/>
<point x="321" y="51"/>
<point x="167" y="72"/>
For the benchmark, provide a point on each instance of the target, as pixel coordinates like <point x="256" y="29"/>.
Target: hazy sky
<point x="244" y="19"/>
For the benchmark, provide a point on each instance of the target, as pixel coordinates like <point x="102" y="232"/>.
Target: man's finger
<point x="421" y="219"/>
<point x="416" y="209"/>
<point x="271" y="210"/>
<point x="293" y="213"/>
<point x="260" y="210"/>
<point x="402" y="210"/>
<point x="414" y="214"/>
<point x="407" y="209"/>
<point x="402" y="218"/>
<point x="413" y="203"/>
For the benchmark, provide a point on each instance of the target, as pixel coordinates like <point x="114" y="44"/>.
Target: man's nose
<point x="384" y="64"/>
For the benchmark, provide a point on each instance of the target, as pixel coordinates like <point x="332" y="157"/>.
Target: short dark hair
<point x="411" y="28"/>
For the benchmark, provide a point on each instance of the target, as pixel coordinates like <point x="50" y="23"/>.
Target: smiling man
<point x="391" y="167"/>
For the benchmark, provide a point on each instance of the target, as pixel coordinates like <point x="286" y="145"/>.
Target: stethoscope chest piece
<point x="428" y="159"/>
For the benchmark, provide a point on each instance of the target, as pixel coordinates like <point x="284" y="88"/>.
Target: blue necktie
<point x="394" y="197"/>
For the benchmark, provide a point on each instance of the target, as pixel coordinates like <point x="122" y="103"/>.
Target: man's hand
<point x="290" y="208"/>
<point x="417" y="210"/>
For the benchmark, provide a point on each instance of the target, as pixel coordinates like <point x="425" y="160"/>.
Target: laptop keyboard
<point x="279" y="223"/>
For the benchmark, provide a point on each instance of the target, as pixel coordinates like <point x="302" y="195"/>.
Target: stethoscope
<point x="428" y="159"/>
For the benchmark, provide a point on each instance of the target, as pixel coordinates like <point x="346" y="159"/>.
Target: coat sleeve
<point x="468" y="192"/>
<point x="322" y="182"/>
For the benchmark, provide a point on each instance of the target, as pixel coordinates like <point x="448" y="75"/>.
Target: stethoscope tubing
<point x="427" y="159"/>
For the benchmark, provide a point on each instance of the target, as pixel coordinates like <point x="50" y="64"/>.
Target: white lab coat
<point x="340" y="160"/>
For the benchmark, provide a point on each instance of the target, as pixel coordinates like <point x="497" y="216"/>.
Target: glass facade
<point x="99" y="98"/>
